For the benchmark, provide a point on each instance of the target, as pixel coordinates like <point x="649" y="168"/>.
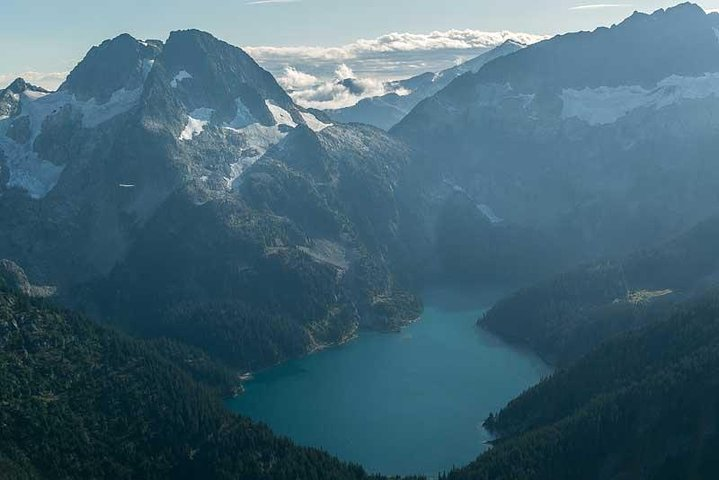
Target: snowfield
<point x="196" y="121"/>
<point x="281" y="116"/>
<point x="182" y="75"/>
<point x="606" y="105"/>
<point x="27" y="170"/>
<point x="313" y="122"/>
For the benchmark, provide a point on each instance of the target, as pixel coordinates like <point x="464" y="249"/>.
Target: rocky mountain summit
<point x="602" y="140"/>
<point x="154" y="189"/>
<point x="175" y="189"/>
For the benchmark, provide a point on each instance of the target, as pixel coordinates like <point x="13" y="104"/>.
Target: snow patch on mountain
<point x="196" y="122"/>
<point x="676" y="88"/>
<point x="26" y="169"/>
<point x="606" y="105"/>
<point x="243" y="117"/>
<point x="238" y="168"/>
<point x="603" y="105"/>
<point x="489" y="213"/>
<point x="257" y="140"/>
<point x="313" y="122"/>
<point x="181" y="75"/>
<point x="39" y="105"/>
<point x="147" y="64"/>
<point x="281" y="116"/>
<point x="121" y="101"/>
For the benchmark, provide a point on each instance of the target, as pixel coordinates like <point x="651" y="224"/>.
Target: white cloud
<point x="397" y="42"/>
<point x="341" y="90"/>
<point x="314" y="75"/>
<point x="599" y="6"/>
<point x="49" y="80"/>
<point x="293" y="79"/>
<point x="344" y="72"/>
<point x="335" y="77"/>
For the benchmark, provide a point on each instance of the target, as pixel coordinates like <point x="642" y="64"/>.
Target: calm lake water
<point x="399" y="404"/>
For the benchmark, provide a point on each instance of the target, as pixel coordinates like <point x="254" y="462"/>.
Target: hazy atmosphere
<point x="380" y="39"/>
<point x="376" y="240"/>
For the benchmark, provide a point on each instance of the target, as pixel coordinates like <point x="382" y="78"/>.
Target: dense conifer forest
<point x="81" y="401"/>
<point x="642" y="406"/>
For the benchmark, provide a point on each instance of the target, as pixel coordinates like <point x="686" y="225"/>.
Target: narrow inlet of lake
<point x="399" y="404"/>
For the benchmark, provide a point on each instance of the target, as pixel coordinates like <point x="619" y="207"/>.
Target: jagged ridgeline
<point x="600" y="142"/>
<point x="175" y="189"/>
<point x="387" y="110"/>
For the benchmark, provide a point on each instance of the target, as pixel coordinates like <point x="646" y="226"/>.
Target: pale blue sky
<point x="51" y="36"/>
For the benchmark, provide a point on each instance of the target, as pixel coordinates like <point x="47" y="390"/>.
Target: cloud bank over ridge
<point x="335" y="77"/>
<point x="396" y="43"/>
<point x="340" y="76"/>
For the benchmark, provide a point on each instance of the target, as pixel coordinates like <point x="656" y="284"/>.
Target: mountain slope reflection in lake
<point x="402" y="403"/>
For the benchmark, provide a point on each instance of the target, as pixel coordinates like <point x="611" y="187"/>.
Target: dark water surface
<point x="406" y="403"/>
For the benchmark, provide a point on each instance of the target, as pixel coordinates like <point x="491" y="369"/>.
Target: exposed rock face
<point x="603" y="141"/>
<point x="14" y="278"/>
<point x="10" y="97"/>
<point x="120" y="63"/>
<point x="188" y="196"/>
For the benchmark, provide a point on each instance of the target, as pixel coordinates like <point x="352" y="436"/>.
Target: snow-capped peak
<point x="281" y="116"/>
<point x="196" y="121"/>
<point x="182" y="75"/>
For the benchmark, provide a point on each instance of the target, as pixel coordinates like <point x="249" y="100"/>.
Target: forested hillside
<point x="643" y="406"/>
<point x="567" y="316"/>
<point x="81" y="401"/>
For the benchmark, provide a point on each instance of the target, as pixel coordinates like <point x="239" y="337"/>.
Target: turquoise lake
<point x="399" y="404"/>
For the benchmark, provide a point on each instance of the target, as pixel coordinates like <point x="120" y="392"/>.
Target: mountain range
<point x="181" y="178"/>
<point x="173" y="188"/>
<point x="600" y="140"/>
<point x="174" y="191"/>
<point x="387" y="110"/>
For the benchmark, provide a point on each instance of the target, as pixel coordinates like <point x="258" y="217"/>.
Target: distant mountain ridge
<point x="386" y="111"/>
<point x="580" y="136"/>
<point x="192" y="171"/>
<point x="624" y="54"/>
<point x="174" y="190"/>
<point x="569" y="315"/>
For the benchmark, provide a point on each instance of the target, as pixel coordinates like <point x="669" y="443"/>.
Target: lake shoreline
<point x="379" y="399"/>
<point x="248" y="376"/>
